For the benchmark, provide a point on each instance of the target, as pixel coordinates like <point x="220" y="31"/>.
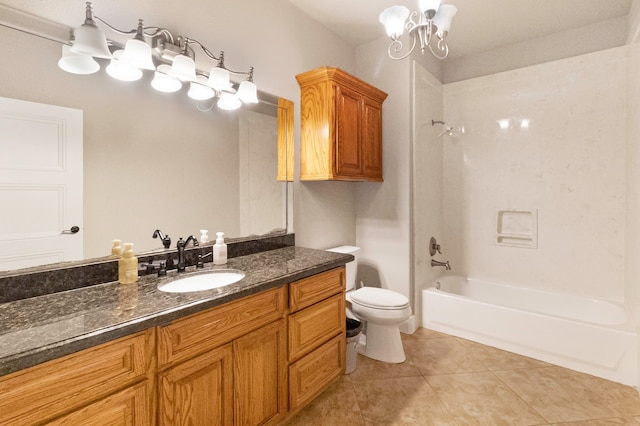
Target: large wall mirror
<point x="157" y="161"/>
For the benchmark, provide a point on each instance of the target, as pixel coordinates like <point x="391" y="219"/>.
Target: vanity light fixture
<point x="431" y="23"/>
<point x="148" y="46"/>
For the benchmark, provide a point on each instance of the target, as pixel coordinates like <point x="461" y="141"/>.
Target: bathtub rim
<point x="628" y="326"/>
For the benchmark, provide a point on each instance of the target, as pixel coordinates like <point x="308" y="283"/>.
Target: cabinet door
<point x="198" y="391"/>
<point x="260" y="380"/>
<point x="348" y="147"/>
<point x="372" y="139"/>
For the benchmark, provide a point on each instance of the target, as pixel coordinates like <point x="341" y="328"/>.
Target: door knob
<point x="73" y="230"/>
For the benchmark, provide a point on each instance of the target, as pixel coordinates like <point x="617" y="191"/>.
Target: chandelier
<point x="175" y="56"/>
<point x="432" y="23"/>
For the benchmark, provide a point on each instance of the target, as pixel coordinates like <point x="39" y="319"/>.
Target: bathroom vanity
<point x="253" y="352"/>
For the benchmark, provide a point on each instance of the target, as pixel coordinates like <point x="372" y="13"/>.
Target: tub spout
<point x="446" y="265"/>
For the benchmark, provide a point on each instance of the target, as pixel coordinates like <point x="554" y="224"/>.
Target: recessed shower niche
<point x="517" y="228"/>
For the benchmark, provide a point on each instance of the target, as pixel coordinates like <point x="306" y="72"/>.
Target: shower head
<point x="448" y="129"/>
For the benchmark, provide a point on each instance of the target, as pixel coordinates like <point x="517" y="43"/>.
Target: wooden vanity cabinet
<point x="251" y="361"/>
<point x="226" y="365"/>
<point x="316" y="338"/>
<point x="112" y="383"/>
<point x="341" y="127"/>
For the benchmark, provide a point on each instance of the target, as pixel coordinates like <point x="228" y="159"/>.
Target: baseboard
<point x="409" y="326"/>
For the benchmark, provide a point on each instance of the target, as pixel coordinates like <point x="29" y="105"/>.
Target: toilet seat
<point x="379" y="298"/>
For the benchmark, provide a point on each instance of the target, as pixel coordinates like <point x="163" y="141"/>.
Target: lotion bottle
<point x="219" y="250"/>
<point x="128" y="266"/>
<point x="116" y="250"/>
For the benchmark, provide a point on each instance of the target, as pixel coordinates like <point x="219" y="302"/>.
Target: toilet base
<point x="383" y="343"/>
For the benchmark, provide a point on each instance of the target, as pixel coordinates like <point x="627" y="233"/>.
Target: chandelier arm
<point x="396" y="46"/>
<point x="442" y="47"/>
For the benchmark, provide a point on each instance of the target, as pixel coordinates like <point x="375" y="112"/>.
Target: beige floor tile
<point x="497" y="359"/>
<point x="400" y="401"/>
<point x="604" y="422"/>
<point x="562" y="395"/>
<point x="335" y="406"/>
<point x="442" y="356"/>
<point x="482" y="399"/>
<point x="368" y="369"/>
<point x="423" y="333"/>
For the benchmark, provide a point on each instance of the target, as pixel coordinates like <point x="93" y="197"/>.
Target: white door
<point x="40" y="184"/>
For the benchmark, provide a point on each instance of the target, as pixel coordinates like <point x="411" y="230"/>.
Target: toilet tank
<point x="352" y="267"/>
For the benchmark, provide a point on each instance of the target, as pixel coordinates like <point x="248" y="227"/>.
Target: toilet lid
<point x="380" y="298"/>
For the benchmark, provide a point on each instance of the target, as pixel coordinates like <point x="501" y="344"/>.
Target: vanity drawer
<point x="312" y="374"/>
<point x="60" y="386"/>
<point x="206" y="330"/>
<point x="311" y="327"/>
<point x="308" y="291"/>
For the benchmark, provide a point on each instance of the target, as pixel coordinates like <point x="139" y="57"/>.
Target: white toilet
<point x="383" y="311"/>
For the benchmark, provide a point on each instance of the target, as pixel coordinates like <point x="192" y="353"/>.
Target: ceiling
<point x="479" y="25"/>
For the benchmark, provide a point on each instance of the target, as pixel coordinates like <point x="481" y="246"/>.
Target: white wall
<point x="569" y="165"/>
<point x="426" y="180"/>
<point x="382" y="209"/>
<point x="632" y="246"/>
<point x="574" y="42"/>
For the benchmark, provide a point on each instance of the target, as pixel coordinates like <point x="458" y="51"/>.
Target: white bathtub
<point x="593" y="336"/>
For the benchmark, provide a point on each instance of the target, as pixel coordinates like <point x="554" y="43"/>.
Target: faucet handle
<point x="201" y="257"/>
<point x="434" y="247"/>
<point x="162" y="270"/>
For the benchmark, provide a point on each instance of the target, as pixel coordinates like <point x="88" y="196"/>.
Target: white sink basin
<point x="203" y="281"/>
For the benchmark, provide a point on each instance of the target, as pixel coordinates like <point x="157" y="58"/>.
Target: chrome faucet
<point x="446" y="265"/>
<point x="181" y="245"/>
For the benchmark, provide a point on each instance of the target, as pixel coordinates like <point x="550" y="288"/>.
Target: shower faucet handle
<point x="434" y="247"/>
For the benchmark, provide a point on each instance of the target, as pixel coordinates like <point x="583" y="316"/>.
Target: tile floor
<point x="451" y="381"/>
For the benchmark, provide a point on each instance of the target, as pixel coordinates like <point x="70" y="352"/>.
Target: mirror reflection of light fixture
<point x="199" y="91"/>
<point x="175" y="54"/>
<point x="228" y="102"/>
<point x="163" y="82"/>
<point x="121" y="70"/>
<point x="433" y="24"/>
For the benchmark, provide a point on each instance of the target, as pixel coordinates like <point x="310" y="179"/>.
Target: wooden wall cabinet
<point x="341" y="127"/>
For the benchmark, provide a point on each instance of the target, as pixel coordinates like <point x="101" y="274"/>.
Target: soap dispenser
<point x="219" y="250"/>
<point x="128" y="266"/>
<point x="204" y="236"/>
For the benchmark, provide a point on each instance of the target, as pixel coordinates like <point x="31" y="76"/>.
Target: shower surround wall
<point x="560" y="151"/>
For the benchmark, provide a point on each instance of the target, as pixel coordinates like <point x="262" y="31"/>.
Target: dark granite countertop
<point x="46" y="327"/>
